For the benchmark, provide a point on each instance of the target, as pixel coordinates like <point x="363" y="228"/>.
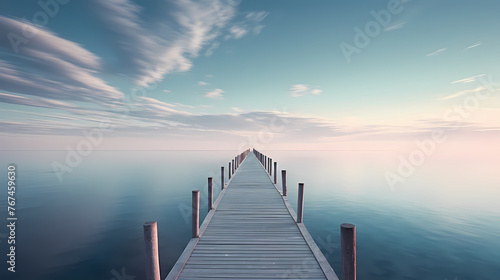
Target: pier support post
<point x="229" y="171"/>
<point x="152" y="260"/>
<point x="300" y="203"/>
<point x="275" y="172"/>
<point x="283" y="182"/>
<point x="210" y="193"/>
<point x="232" y="170"/>
<point x="195" y="216"/>
<point x="348" y="250"/>
<point x="222" y="180"/>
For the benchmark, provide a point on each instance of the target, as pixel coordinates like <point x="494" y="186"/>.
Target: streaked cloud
<point x="202" y="83"/>
<point x="477" y="44"/>
<point x="298" y="90"/>
<point x="468" y="80"/>
<point x="395" y="26"/>
<point x="237" y="32"/>
<point x="251" y="22"/>
<point x="35" y="102"/>
<point x="46" y="42"/>
<point x="438" y="52"/>
<point x="460" y="93"/>
<point x="164" y="120"/>
<point x="183" y="105"/>
<point x="212" y="48"/>
<point x="152" y="55"/>
<point x="168" y="46"/>
<point x="215" y="94"/>
<point x="51" y="67"/>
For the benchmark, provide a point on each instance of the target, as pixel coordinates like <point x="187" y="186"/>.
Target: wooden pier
<point x="251" y="232"/>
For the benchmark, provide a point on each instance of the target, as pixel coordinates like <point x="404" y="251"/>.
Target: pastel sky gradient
<point x="227" y="74"/>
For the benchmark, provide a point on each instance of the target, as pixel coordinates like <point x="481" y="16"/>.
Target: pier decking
<point x="251" y="233"/>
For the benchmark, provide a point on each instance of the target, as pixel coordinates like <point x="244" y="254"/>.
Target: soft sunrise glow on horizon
<point x="213" y="75"/>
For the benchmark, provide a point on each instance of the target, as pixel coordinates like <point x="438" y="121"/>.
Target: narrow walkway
<point x="252" y="235"/>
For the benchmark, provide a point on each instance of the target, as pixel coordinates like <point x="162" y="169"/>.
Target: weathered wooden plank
<point x="270" y="272"/>
<point x="249" y="262"/>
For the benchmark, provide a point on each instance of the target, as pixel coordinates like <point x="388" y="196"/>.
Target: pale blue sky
<point x="221" y="71"/>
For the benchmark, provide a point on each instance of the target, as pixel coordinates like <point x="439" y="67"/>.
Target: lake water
<point x="443" y="222"/>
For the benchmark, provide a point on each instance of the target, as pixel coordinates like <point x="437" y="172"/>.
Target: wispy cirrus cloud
<point x="237" y="32"/>
<point x="250" y="23"/>
<point x="438" y="52"/>
<point x="52" y="72"/>
<point x="477" y="44"/>
<point x="463" y="92"/>
<point x="187" y="29"/>
<point x="215" y="94"/>
<point x="46" y="42"/>
<point x="469" y="79"/>
<point x="51" y="67"/>
<point x="34" y="102"/>
<point x="395" y="26"/>
<point x="160" y="118"/>
<point x="299" y="90"/>
<point x="153" y="50"/>
<point x="212" y="48"/>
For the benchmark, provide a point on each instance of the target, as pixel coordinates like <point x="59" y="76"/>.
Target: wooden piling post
<point x="270" y="166"/>
<point x="195" y="216"/>
<point x="222" y="180"/>
<point x="229" y="171"/>
<point x="283" y="182"/>
<point x="210" y="193"/>
<point x="300" y="203"/>
<point x="152" y="259"/>
<point x="348" y="251"/>
<point x="275" y="172"/>
<point x="232" y="170"/>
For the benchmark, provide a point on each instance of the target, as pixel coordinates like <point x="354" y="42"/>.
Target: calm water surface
<point x="442" y="223"/>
